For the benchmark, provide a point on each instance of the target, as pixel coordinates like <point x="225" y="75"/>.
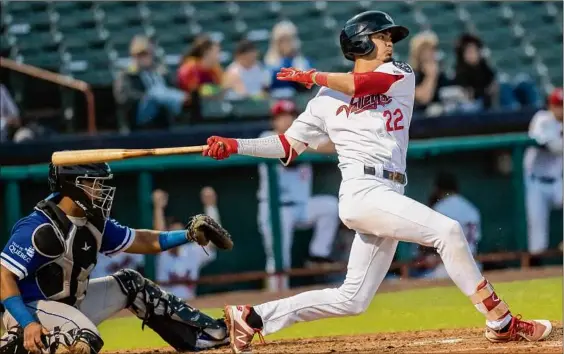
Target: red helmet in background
<point x="284" y="106"/>
<point x="555" y="97"/>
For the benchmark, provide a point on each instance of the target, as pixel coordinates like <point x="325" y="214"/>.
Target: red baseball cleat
<point x="531" y="331"/>
<point x="240" y="333"/>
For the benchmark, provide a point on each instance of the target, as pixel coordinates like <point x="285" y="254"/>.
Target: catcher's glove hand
<point x="202" y="229"/>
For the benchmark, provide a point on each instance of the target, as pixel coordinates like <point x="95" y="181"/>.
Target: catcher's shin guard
<point x="76" y="341"/>
<point x="180" y="325"/>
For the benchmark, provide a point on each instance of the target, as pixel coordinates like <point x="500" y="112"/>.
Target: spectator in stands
<point x="144" y="91"/>
<point x="9" y="115"/>
<point x="473" y="73"/>
<point x="200" y="74"/>
<point x="246" y="75"/>
<point x="429" y="78"/>
<point x="200" y="70"/>
<point x="178" y="268"/>
<point x="284" y="51"/>
<point x="447" y="200"/>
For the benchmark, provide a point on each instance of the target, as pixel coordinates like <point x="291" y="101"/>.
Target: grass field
<point x="420" y="309"/>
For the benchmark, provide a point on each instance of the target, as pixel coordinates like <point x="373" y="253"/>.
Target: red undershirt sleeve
<point x="373" y="83"/>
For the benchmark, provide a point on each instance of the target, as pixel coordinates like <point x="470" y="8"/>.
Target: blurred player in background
<point x="108" y="265"/>
<point x="180" y="265"/>
<point x="447" y="200"/>
<point x="298" y="208"/>
<point x="543" y="171"/>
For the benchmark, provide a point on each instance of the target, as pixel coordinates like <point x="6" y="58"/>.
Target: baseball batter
<point x="367" y="114"/>
<point x="52" y="305"/>
<point x="298" y="208"/>
<point x="543" y="171"/>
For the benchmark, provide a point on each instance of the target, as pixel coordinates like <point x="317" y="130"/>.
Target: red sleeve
<point x="373" y="83"/>
<point x="187" y="78"/>
<point x="289" y="153"/>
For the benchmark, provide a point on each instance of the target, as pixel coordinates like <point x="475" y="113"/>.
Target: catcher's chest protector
<point x="73" y="250"/>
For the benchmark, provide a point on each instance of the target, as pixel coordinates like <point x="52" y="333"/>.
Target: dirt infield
<point x="439" y="341"/>
<point x="470" y="340"/>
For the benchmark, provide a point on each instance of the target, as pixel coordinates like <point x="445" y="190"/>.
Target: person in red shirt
<point x="200" y="69"/>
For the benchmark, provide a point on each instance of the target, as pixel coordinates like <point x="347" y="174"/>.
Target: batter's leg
<point x="538" y="216"/>
<point x="384" y="211"/>
<point x="323" y="214"/>
<point x="369" y="261"/>
<point x="67" y="325"/>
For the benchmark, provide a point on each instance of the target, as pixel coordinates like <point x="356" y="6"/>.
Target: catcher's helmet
<point x="355" y="36"/>
<point x="87" y="185"/>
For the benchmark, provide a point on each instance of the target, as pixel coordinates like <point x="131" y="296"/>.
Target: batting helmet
<point x="355" y="36"/>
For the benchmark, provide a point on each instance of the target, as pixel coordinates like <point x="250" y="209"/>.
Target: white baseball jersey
<point x="371" y="130"/>
<point x="546" y="130"/>
<point x="462" y="210"/>
<point x="295" y="182"/>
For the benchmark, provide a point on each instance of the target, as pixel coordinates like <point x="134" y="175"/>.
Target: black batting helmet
<point x="355" y="36"/>
<point x="87" y="185"/>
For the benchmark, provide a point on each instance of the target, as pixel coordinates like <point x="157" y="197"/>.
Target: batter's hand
<point x="292" y="74"/>
<point x="220" y="148"/>
<point x="32" y="337"/>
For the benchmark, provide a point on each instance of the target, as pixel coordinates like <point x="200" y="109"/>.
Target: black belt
<point x="392" y="176"/>
<point x="542" y="179"/>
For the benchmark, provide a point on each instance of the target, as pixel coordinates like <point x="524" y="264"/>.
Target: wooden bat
<point x="75" y="157"/>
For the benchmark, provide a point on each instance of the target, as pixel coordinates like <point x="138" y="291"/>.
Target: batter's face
<point x="384" y="47"/>
<point x="282" y="122"/>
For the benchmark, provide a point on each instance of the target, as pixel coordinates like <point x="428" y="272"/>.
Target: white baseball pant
<point x="541" y="198"/>
<point x="381" y="216"/>
<point x="103" y="299"/>
<point x="321" y="213"/>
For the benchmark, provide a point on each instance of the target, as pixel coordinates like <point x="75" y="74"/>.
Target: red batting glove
<point x="220" y="148"/>
<point x="291" y="74"/>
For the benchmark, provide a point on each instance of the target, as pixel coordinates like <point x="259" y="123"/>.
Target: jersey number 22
<point x="393" y="120"/>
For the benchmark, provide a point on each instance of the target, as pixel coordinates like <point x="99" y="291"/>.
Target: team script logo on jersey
<point x="361" y="104"/>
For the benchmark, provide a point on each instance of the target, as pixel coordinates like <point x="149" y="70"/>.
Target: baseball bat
<point x="75" y="157"/>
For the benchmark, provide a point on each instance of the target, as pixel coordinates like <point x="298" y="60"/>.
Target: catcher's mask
<point x="355" y="36"/>
<point x="87" y="185"/>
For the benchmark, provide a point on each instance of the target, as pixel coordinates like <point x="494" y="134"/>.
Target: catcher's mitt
<point x="202" y="229"/>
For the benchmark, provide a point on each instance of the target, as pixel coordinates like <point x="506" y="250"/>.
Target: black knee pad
<point x="131" y="283"/>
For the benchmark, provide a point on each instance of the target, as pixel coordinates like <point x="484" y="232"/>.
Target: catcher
<point x="50" y="303"/>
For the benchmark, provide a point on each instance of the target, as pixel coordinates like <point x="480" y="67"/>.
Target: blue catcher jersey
<point x="22" y="257"/>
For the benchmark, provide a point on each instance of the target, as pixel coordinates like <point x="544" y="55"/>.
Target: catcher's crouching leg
<point x="180" y="325"/>
<point x="76" y="341"/>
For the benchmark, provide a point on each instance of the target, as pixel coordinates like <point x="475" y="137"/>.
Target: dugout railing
<point x="13" y="176"/>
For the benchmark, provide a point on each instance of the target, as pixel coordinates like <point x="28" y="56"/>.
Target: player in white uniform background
<point x="184" y="263"/>
<point x="299" y="209"/>
<point x="447" y="200"/>
<point x="543" y="171"/>
<point x="367" y="114"/>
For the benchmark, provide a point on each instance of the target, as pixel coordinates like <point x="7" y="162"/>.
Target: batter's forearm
<point x="274" y="147"/>
<point x="357" y="84"/>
